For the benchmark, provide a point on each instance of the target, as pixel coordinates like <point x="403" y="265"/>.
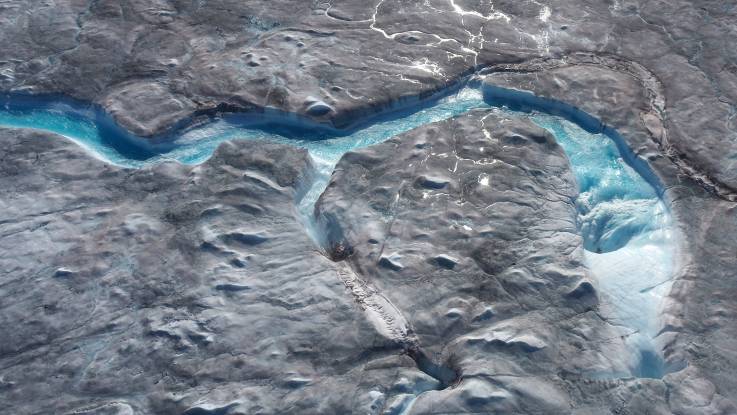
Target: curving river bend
<point x="627" y="230"/>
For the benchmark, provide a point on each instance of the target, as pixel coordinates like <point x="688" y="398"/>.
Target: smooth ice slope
<point x="625" y="225"/>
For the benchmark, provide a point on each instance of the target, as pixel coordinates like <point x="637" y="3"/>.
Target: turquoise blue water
<point x="601" y="173"/>
<point x="625" y="226"/>
<point x="80" y="128"/>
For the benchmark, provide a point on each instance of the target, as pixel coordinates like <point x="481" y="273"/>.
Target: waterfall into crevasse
<point x="627" y="232"/>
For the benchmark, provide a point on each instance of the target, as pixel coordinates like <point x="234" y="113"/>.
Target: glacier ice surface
<point x="626" y="227"/>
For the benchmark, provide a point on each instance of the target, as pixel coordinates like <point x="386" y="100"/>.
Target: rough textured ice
<point x="615" y="206"/>
<point x="152" y="287"/>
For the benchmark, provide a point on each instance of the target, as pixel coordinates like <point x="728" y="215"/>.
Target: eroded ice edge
<point x="627" y="230"/>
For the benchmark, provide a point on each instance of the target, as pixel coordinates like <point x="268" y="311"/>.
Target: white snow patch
<point x="544" y="14"/>
<point x="493" y="14"/>
<point x="428" y="66"/>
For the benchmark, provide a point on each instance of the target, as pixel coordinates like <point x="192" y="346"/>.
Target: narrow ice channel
<point x="626" y="227"/>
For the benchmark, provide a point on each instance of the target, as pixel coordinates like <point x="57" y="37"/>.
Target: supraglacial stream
<point x="628" y="241"/>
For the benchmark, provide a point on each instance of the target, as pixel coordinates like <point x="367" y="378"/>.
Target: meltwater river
<point x="627" y="229"/>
